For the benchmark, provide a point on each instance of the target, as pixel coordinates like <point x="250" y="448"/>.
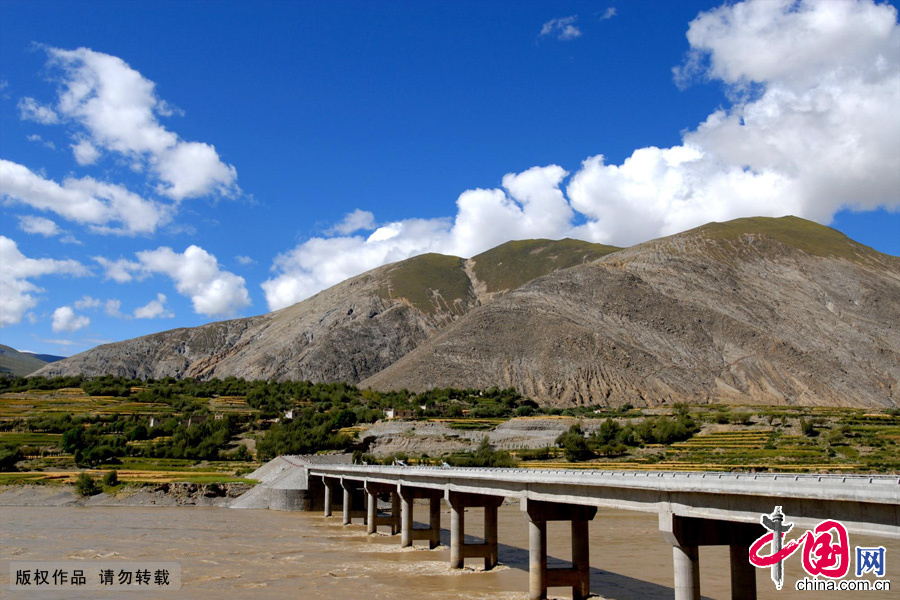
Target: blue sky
<point x="168" y="164"/>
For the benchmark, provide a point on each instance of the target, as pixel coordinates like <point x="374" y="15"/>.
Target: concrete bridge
<point x="695" y="509"/>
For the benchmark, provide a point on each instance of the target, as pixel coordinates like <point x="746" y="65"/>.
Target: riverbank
<point x="163" y="494"/>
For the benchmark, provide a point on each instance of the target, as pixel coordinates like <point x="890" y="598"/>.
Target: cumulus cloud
<point x="118" y="109"/>
<point x="32" y="110"/>
<point x="530" y="205"/>
<point x="353" y="222"/>
<point x="65" y="319"/>
<point x="609" y="13"/>
<point x="85" y="153"/>
<point x="155" y="309"/>
<point x="39" y="226"/>
<point x="120" y="270"/>
<point x="812" y="129"/>
<point x="244" y="260"/>
<point x="16" y="271"/>
<point x="563" y="28"/>
<point x="105" y="207"/>
<point x="111" y="306"/>
<point x="196" y="274"/>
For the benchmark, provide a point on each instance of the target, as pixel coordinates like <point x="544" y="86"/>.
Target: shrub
<point x="111" y="479"/>
<point x="808" y="428"/>
<point x="574" y="445"/>
<point x="85" y="485"/>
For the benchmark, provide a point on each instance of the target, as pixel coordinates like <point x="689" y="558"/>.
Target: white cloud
<point x="87" y="302"/>
<point x="155" y="309"/>
<point x="32" y="110"/>
<point x="39" y="140"/>
<point x="353" y="222"/>
<point x="244" y="260"/>
<point x="39" y="226"/>
<point x="85" y="153"/>
<point x="813" y="129"/>
<point x="532" y="206"/>
<point x="65" y="319"/>
<point x="118" y="270"/>
<point x="196" y="275"/>
<point x="609" y="14"/>
<point x="118" y="108"/>
<point x="106" y="207"/>
<point x="111" y="306"/>
<point x="563" y="28"/>
<point x="16" y="269"/>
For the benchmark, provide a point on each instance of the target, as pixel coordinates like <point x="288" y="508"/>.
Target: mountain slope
<point x="754" y="310"/>
<point x="345" y="333"/>
<point x="19" y="364"/>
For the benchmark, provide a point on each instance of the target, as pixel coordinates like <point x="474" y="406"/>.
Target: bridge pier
<point x="408" y="533"/>
<point x="373" y="520"/>
<point x="353" y="500"/>
<point x="687" y="534"/>
<point x="578" y="575"/>
<point x="329" y="484"/>
<point x="459" y="549"/>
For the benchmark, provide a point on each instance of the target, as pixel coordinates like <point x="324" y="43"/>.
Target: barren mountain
<point x="775" y="311"/>
<point x="345" y="333"/>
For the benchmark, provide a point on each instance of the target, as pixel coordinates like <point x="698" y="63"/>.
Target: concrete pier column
<point x="406" y="520"/>
<point x="395" y="513"/>
<point x="408" y="532"/>
<point x="687" y="572"/>
<point x="743" y="574"/>
<point x="354" y="499"/>
<point x="434" y="521"/>
<point x="373" y="519"/>
<point x="581" y="558"/>
<point x="490" y="536"/>
<point x="537" y="560"/>
<point x="687" y="534"/>
<point x="459" y="549"/>
<point x="371" y="511"/>
<point x="578" y="575"/>
<point x="457" y="535"/>
<point x="329" y="495"/>
<point x="348" y="505"/>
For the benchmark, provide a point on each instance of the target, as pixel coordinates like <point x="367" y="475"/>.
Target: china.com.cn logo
<point x="825" y="550"/>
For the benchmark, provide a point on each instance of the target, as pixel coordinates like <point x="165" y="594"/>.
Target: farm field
<point x="157" y="436"/>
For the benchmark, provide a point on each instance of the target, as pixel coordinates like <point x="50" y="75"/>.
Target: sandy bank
<point x="166" y="494"/>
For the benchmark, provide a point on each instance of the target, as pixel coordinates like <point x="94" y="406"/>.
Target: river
<point x="238" y="554"/>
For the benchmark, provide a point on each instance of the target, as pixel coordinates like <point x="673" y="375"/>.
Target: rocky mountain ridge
<point x="763" y="311"/>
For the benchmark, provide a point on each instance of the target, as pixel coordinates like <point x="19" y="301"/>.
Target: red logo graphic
<point x="826" y="548"/>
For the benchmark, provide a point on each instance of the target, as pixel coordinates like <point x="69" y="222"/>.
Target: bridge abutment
<point x="539" y="576"/>
<point x="459" y="549"/>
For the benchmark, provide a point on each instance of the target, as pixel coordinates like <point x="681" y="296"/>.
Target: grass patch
<point x="513" y="264"/>
<point x="432" y="283"/>
<point x="807" y="236"/>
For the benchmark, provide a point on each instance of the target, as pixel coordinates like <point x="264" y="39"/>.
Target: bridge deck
<point x="865" y="504"/>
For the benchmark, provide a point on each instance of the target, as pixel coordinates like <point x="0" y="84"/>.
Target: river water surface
<point x="238" y="554"/>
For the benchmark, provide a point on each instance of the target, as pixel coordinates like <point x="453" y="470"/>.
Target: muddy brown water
<point x="237" y="554"/>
